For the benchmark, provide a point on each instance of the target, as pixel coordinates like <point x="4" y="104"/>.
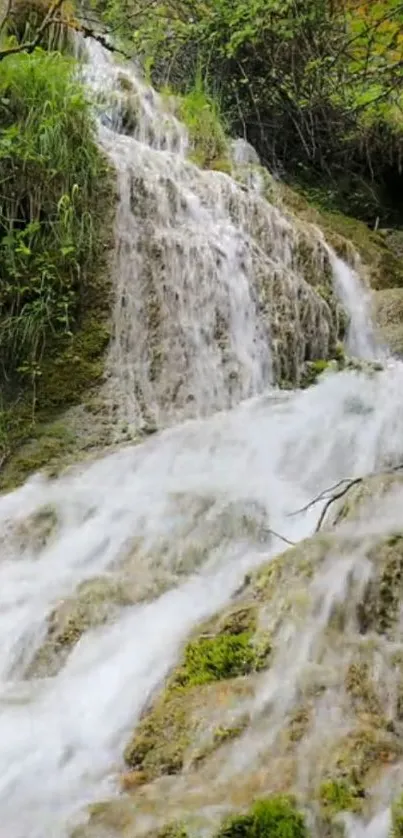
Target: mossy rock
<point x="346" y="235"/>
<point x="388" y="312"/>
<point x="370" y="490"/>
<point x="228" y="649"/>
<point x="35" y="532"/>
<point x="95" y="602"/>
<point x="71" y="371"/>
<point x="337" y="796"/>
<point x="360" y="756"/>
<point x="380" y="607"/>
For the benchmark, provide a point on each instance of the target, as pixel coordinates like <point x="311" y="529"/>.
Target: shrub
<point x="273" y="817"/>
<point x="52" y="179"/>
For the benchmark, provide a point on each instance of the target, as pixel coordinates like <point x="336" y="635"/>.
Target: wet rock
<point x="388" y="307"/>
<point x="96" y="602"/>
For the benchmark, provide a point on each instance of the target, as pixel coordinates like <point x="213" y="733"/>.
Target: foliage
<point x="213" y="658"/>
<point x="200" y="112"/>
<point x="273" y="817"/>
<point x="52" y="184"/>
<point x="315" y="86"/>
<point x="340" y="796"/>
<point x="39" y="21"/>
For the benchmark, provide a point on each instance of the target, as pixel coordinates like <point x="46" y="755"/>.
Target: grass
<point x="56" y="197"/>
<point x="273" y="817"/>
<point x="200" y="112"/>
<point x="52" y="179"/>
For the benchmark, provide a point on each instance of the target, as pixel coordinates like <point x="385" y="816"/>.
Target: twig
<point x="334" y="497"/>
<point x="320" y="497"/>
<point x="281" y="537"/>
<point x="87" y="32"/>
<point x="349" y="483"/>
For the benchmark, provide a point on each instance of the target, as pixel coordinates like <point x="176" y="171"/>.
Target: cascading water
<point x="164" y="532"/>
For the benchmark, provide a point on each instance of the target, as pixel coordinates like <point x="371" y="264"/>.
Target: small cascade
<point x="218" y="293"/>
<point x="360" y="338"/>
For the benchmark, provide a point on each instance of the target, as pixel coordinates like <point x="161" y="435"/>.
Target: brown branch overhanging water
<point x="347" y="483"/>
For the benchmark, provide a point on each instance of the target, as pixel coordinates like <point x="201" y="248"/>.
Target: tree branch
<point x="346" y="484"/>
<point x="29" y="46"/>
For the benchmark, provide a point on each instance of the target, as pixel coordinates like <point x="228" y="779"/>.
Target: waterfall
<point x="216" y="298"/>
<point x="219" y="294"/>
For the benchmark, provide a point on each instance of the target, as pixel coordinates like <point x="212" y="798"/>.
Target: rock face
<point x="296" y="688"/>
<point x="388" y="305"/>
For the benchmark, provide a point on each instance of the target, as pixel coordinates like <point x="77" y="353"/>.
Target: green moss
<point x="312" y="371"/>
<point x="339" y="796"/>
<point x="231" y="649"/>
<point x="159" y="744"/>
<point x="361" y="689"/>
<point x="379" y="608"/>
<point x="397" y="818"/>
<point x="214" y="658"/>
<point x="273" y="817"/>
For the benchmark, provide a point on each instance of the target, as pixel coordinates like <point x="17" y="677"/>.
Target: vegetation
<point x="273" y="817"/>
<point x="51" y="173"/>
<point x="229" y="650"/>
<point x="315" y="86"/>
<point x="339" y="796"/>
<point x="201" y="114"/>
<point x="214" y="658"/>
<point x="397" y="818"/>
<point x="55" y="186"/>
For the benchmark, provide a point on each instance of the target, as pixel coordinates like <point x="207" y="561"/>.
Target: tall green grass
<point x="52" y="185"/>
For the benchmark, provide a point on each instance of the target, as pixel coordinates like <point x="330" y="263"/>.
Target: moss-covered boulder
<point x="179" y="727"/>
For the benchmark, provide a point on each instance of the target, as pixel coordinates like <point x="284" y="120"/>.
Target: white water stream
<point x="173" y="509"/>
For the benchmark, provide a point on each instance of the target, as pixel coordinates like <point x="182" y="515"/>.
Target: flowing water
<point x="184" y="516"/>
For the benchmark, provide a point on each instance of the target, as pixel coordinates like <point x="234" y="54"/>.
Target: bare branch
<point x="347" y="483"/>
<point x="335" y="497"/>
<point x="29" y="46"/>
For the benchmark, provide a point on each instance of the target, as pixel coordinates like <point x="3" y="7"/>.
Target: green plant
<point x="52" y="183"/>
<point x="202" y="116"/>
<point x="273" y="817"/>
<point x="314" y="85"/>
<point x="340" y="796"/>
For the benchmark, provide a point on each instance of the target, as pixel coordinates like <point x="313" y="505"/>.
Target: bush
<point x="200" y="112"/>
<point x="52" y="179"/>
<point x="315" y="86"/>
<point x="273" y="817"/>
